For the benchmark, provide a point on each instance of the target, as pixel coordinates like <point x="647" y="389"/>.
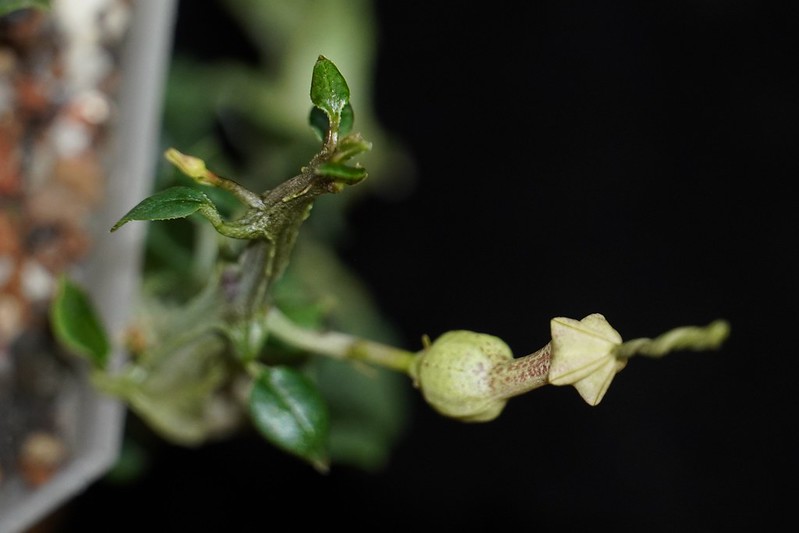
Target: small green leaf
<point x="319" y="123"/>
<point x="288" y="410"/>
<point x="347" y="119"/>
<point x="76" y="324"/>
<point x="329" y="90"/>
<point x="342" y="173"/>
<point x="350" y="146"/>
<point x="175" y="202"/>
<point x="7" y="6"/>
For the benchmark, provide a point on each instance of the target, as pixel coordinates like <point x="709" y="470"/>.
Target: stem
<point x="195" y="168"/>
<point x="254" y="282"/>
<point x="522" y="374"/>
<point x="234" y="230"/>
<point x="243" y="194"/>
<point x="338" y="345"/>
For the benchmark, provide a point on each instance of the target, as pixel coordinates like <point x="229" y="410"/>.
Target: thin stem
<point x="697" y="338"/>
<point x="338" y="345"/>
<point x="243" y="194"/>
<point x="195" y="168"/>
<point x="234" y="230"/>
<point x="522" y="374"/>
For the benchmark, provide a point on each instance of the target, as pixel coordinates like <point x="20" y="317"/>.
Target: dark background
<point x="631" y="158"/>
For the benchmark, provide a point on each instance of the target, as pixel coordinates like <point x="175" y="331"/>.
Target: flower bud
<point x="588" y="353"/>
<point x="453" y="374"/>
<point x="193" y="167"/>
<point x="584" y="355"/>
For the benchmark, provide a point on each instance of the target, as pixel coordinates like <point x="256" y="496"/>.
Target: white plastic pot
<point x="93" y="423"/>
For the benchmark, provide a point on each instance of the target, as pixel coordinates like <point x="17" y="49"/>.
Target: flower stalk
<point x="338" y="345"/>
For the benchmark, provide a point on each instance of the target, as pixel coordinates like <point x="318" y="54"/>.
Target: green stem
<point x="195" y="168"/>
<point x="234" y="230"/>
<point x="243" y="194"/>
<point x="338" y="345"/>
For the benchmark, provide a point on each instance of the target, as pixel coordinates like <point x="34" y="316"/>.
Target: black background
<point x="631" y="158"/>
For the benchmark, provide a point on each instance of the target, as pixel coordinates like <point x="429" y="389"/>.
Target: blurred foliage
<point x="249" y="121"/>
<point x="8" y="6"/>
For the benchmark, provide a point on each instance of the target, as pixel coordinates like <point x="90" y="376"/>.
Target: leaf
<point x="320" y="123"/>
<point x="368" y="410"/>
<point x="175" y="202"/>
<point x="329" y="90"/>
<point x="288" y="410"/>
<point x="342" y="173"/>
<point x="76" y="324"/>
<point x="350" y="146"/>
<point x="8" y="6"/>
<point x="347" y="119"/>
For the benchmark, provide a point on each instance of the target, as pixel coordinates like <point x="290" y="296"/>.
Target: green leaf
<point x="7" y="6"/>
<point x="175" y="202"/>
<point x="342" y="173"/>
<point x="320" y="123"/>
<point x="329" y="90"/>
<point x="350" y="146"/>
<point x="368" y="411"/>
<point x="133" y="461"/>
<point x="347" y="119"/>
<point x="288" y="410"/>
<point x="76" y="324"/>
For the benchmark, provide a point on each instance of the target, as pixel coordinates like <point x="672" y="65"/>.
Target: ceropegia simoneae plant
<point x="200" y="369"/>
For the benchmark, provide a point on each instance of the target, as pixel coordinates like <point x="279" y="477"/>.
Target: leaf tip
<point x="321" y="465"/>
<point x="76" y="323"/>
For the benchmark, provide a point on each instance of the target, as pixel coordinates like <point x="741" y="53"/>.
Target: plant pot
<point x="80" y="107"/>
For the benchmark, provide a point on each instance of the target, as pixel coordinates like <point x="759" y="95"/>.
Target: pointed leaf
<point x="288" y="410"/>
<point x="329" y="90"/>
<point x="175" y="202"/>
<point x="76" y="325"/>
